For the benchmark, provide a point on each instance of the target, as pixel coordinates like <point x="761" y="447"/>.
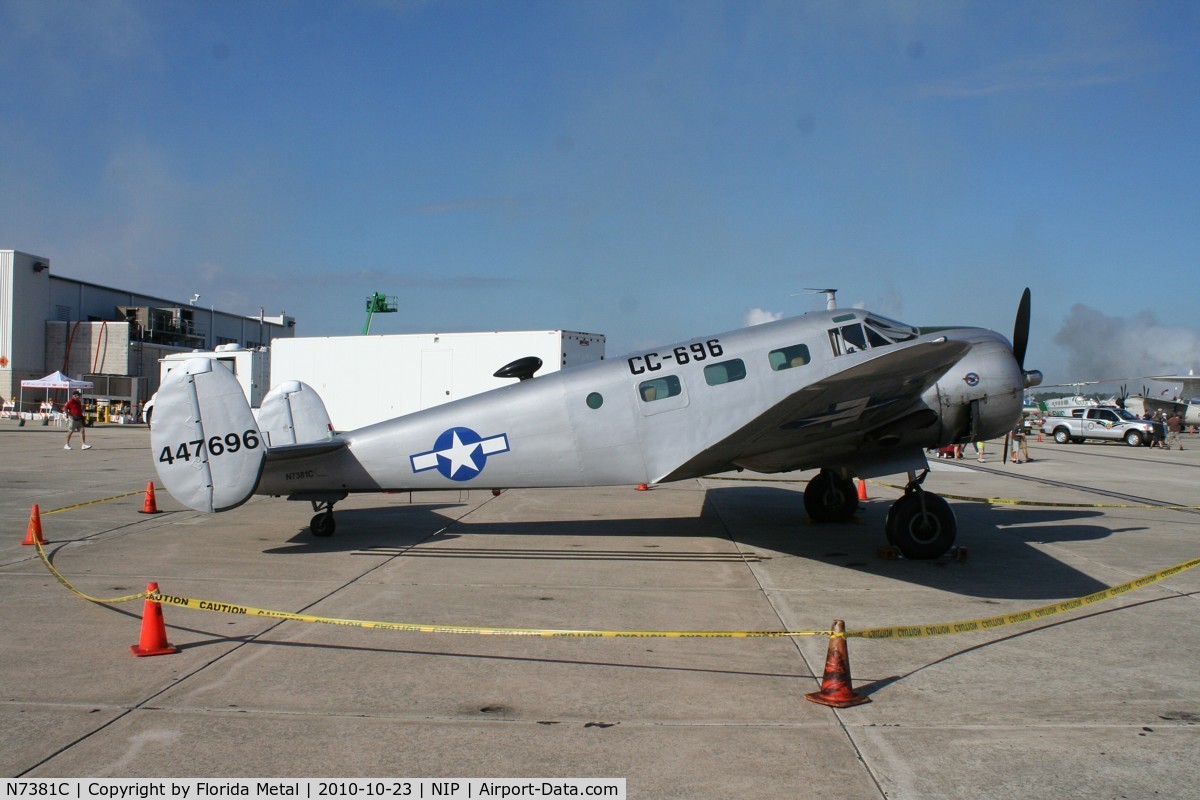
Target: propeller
<point x="1020" y="343"/>
<point x="1020" y="340"/>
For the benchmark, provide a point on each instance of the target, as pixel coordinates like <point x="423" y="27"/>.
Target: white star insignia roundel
<point x="460" y="453"/>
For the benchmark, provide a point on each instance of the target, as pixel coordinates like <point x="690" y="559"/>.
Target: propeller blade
<point x="1020" y="340"/>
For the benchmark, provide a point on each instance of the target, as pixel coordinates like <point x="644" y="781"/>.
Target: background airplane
<point x="1183" y="399"/>
<point x="845" y="391"/>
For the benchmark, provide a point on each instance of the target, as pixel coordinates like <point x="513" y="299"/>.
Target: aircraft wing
<point x="849" y="414"/>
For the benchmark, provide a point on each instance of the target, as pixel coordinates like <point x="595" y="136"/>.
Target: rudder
<point x="206" y="446"/>
<point x="293" y="413"/>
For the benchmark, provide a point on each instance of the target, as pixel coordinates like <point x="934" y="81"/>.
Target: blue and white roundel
<point x="971" y="379"/>
<point x="460" y="453"/>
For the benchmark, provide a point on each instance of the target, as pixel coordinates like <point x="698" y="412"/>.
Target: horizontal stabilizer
<point x="293" y="451"/>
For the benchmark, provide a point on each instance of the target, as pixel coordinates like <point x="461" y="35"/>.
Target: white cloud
<point x="757" y="316"/>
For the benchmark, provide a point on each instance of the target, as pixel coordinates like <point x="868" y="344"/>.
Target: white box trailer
<point x="252" y="366"/>
<point x="368" y="379"/>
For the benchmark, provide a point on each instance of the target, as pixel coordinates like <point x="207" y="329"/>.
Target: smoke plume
<point x="1098" y="346"/>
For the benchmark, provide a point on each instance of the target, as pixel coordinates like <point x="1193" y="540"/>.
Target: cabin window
<point x="725" y="372"/>
<point x="660" y="388"/>
<point x="795" y="356"/>
<point x="594" y="400"/>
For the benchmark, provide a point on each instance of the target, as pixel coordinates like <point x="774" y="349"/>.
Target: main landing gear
<point x="920" y="524"/>
<point x="830" y="497"/>
<point x="322" y="523"/>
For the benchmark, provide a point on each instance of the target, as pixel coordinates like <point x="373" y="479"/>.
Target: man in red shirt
<point x="74" y="411"/>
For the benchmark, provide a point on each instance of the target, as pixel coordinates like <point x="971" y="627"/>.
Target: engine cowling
<point x="982" y="395"/>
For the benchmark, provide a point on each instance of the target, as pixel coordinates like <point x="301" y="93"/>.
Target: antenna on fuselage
<point x="830" y="297"/>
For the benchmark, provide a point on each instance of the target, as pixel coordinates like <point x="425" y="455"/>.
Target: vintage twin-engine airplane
<point x="844" y="390"/>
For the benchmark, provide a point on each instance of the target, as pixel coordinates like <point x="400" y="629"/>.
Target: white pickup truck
<point x="1099" y="422"/>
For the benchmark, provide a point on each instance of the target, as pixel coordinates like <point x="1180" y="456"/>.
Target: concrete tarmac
<point x="1099" y="702"/>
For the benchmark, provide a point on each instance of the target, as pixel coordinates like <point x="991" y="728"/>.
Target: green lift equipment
<point x="379" y="304"/>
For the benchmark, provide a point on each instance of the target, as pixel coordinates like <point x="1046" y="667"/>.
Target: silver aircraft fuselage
<point x="786" y="395"/>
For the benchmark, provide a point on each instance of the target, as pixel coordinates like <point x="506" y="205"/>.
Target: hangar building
<point x="112" y="337"/>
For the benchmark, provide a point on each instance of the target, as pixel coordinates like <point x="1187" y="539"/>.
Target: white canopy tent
<point x="55" y="380"/>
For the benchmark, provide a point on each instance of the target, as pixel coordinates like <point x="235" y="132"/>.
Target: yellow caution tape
<point x="231" y="608"/>
<point x="92" y="502"/>
<point x="754" y="480"/>
<point x="894" y="633"/>
<point x="1045" y="503"/>
<point x="991" y="623"/>
<point x="61" y="579"/>
<point x="901" y="632"/>
<point x="966" y="498"/>
<point x="59" y="576"/>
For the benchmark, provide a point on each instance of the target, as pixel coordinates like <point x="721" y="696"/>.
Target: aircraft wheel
<point x="322" y="524"/>
<point x="921" y="532"/>
<point x="829" y="498"/>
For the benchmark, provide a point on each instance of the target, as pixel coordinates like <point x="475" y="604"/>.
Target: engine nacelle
<point x="982" y="395"/>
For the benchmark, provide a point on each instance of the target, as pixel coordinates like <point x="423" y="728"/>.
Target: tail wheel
<point x="830" y="498"/>
<point x="921" y="525"/>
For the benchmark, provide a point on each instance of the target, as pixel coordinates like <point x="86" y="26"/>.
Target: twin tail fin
<point x="208" y="447"/>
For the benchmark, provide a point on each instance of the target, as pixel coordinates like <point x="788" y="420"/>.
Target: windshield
<point x="1123" y="414"/>
<point x="895" y="331"/>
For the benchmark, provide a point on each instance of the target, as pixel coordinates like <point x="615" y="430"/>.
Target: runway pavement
<point x="1099" y="702"/>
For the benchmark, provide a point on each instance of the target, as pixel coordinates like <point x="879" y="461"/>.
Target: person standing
<point x="1174" y="428"/>
<point x="1020" y="450"/>
<point x="1156" y="438"/>
<point x="75" y="421"/>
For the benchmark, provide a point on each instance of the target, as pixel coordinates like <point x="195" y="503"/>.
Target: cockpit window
<point x="894" y="331"/>
<point x="874" y="332"/>
<point x="847" y="339"/>
<point x="876" y="338"/>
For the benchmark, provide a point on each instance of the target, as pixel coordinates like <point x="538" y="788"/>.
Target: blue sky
<point x="648" y="170"/>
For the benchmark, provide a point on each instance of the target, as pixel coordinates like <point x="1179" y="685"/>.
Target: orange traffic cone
<point x="33" y="533"/>
<point x="153" y="641"/>
<point x="836" y="690"/>
<point x="862" y="490"/>
<point x="149" y="506"/>
<point x="641" y="487"/>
